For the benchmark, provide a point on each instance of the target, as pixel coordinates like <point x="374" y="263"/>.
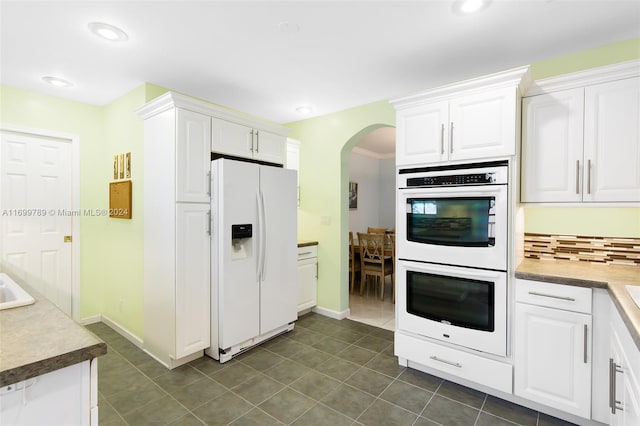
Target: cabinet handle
<point x="257" y="141"/>
<point x="451" y="138"/>
<point x="455" y="364"/>
<point x="442" y="139"/>
<point x="613" y="370"/>
<point x="317" y="271"/>
<point x="304" y="254"/>
<point x="209" y="222"/>
<point x="209" y="179"/>
<point x="586" y="335"/>
<point x="251" y="141"/>
<point x="577" y="176"/>
<point x="535" y="293"/>
<point x="588" y="176"/>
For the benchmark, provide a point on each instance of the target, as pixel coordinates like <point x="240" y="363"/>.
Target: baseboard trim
<point x="123" y="331"/>
<point x="331" y="313"/>
<point x="91" y="320"/>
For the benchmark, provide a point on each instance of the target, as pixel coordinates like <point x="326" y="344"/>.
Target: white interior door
<point x="36" y="213"/>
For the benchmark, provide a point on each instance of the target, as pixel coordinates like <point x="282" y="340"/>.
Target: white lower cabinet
<point x="307" y="277"/>
<point x="624" y="373"/>
<point x="67" y="396"/>
<point x="552" y="352"/>
<point x="552" y="355"/>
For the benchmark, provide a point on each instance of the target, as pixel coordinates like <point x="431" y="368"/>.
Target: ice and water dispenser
<point x="241" y="241"/>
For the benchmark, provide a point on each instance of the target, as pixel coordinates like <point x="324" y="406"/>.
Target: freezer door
<point x="278" y="290"/>
<point x="235" y="285"/>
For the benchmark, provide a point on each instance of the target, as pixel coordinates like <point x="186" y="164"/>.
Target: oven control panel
<point x="466" y="179"/>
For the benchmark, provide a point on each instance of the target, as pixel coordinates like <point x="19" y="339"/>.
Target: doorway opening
<point x="372" y="205"/>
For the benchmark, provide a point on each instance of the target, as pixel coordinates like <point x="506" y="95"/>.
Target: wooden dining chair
<point x="375" y="266"/>
<point x="371" y="230"/>
<point x="354" y="263"/>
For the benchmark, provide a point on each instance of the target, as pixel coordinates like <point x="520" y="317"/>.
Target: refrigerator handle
<point x="259" y="239"/>
<point x="263" y="236"/>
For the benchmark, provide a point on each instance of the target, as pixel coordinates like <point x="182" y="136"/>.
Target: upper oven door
<point x="456" y="225"/>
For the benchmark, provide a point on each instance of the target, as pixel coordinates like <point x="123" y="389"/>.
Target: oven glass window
<point x="458" y="301"/>
<point x="465" y="221"/>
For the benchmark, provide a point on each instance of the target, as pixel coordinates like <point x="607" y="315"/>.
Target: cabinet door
<point x="625" y="378"/>
<point x="612" y="141"/>
<point x="269" y="147"/>
<point x="193" y="156"/>
<point x="192" y="286"/>
<point x="61" y="397"/>
<point x="552" y="129"/>
<point x="483" y="125"/>
<point x="231" y="138"/>
<point x="422" y="134"/>
<point x="553" y="358"/>
<point x="307" y="283"/>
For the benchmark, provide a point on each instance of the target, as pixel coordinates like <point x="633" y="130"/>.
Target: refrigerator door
<point x="235" y="280"/>
<point x="278" y="290"/>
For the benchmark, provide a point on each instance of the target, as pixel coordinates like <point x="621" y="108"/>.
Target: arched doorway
<point x="370" y="159"/>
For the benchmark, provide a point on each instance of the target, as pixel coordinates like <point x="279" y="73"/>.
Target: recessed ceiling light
<point x="108" y="32"/>
<point x="288" y="27"/>
<point x="304" y="110"/>
<point x="469" y="6"/>
<point x="57" y="82"/>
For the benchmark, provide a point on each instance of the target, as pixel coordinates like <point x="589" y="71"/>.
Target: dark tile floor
<point x="324" y="372"/>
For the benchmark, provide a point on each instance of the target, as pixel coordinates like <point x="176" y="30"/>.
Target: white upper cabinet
<point x="582" y="144"/>
<point x="552" y="146"/>
<point x="483" y="125"/>
<point x="193" y="157"/>
<point x="244" y="141"/>
<point x="231" y="138"/>
<point x="471" y="120"/>
<point x="421" y="134"/>
<point x="612" y="141"/>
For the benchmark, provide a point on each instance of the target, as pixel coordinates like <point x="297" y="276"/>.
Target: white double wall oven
<point x="452" y="239"/>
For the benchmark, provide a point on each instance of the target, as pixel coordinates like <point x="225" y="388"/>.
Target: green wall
<point x="326" y="141"/>
<point x="324" y="173"/>
<point x="110" y="249"/>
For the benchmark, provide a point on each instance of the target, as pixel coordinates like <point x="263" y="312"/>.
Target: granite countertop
<point x="306" y="243"/>
<point x="39" y="338"/>
<point x="610" y="277"/>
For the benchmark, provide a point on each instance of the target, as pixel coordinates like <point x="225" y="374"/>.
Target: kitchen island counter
<point x="39" y="338"/>
<point x="583" y="274"/>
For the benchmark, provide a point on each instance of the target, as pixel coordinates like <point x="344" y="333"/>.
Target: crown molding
<point x="171" y="100"/>
<point x="372" y="154"/>
<point x="603" y="74"/>
<point x="516" y="77"/>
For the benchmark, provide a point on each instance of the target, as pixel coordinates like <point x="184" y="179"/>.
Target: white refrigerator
<point x="254" y="253"/>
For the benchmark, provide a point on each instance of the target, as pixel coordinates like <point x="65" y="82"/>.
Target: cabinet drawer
<point x="307" y="252"/>
<point x="488" y="372"/>
<point x="559" y="296"/>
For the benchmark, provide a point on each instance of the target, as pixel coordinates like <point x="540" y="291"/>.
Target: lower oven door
<point x="462" y="306"/>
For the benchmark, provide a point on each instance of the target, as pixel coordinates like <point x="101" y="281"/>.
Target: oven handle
<point x="489" y="190"/>
<point x="453" y="271"/>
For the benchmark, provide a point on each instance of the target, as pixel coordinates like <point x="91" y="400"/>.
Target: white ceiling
<point x="267" y="58"/>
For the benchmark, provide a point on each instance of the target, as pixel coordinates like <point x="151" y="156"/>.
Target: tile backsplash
<point x="607" y="250"/>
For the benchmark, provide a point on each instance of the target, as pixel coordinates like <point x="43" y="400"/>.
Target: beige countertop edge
<point x="39" y="338"/>
<point x="610" y="277"/>
<point x="37" y="368"/>
<point x="306" y="243"/>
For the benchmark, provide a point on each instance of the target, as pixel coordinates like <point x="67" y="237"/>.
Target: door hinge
<point x="68" y="238"/>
